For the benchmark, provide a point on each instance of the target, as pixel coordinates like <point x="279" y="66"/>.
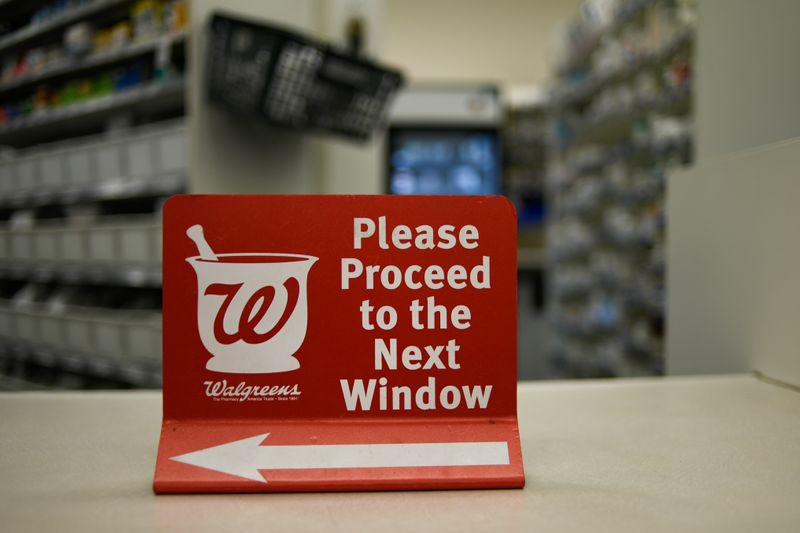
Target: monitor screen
<point x="444" y="161"/>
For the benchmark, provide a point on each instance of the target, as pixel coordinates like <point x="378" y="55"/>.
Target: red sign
<point x="339" y="343"/>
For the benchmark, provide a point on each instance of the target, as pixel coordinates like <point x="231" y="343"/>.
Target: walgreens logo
<point x="241" y="392"/>
<point x="252" y="307"/>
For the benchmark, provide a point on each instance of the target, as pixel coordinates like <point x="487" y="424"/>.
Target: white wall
<point x="747" y="75"/>
<point x="734" y="256"/>
<point x="734" y="265"/>
<point x="232" y="156"/>
<point x="503" y="41"/>
<point x="354" y="167"/>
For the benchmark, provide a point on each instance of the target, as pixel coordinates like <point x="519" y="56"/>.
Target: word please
<point x="422" y="237"/>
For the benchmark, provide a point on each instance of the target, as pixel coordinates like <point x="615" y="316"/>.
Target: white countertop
<point x="703" y="454"/>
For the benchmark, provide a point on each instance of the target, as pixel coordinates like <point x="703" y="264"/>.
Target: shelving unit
<point x="121" y="345"/>
<point x="152" y="97"/>
<point x="69" y="67"/>
<point x="599" y="22"/>
<point x="621" y="122"/>
<point x="81" y="189"/>
<point x="524" y="160"/>
<point x="38" y="31"/>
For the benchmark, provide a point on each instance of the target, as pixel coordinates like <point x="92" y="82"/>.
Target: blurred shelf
<point x="19" y="351"/>
<point x="125" y="275"/>
<point x="581" y="54"/>
<point x="36" y="31"/>
<point x="120" y="146"/>
<point x="523" y="183"/>
<point x="583" y="328"/>
<point x="161" y="185"/>
<point x="107" y="339"/>
<point x="594" y="84"/>
<point x="561" y="255"/>
<point x="615" y="139"/>
<point x="614" y="125"/>
<point x="632" y="239"/>
<point x="574" y="292"/>
<point x="111" y="250"/>
<point x="12" y="383"/>
<point x="95" y="60"/>
<point x="631" y="152"/>
<point x="648" y="304"/>
<point x="530" y="258"/>
<point x="150" y="97"/>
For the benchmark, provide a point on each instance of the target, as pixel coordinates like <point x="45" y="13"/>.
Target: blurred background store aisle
<point x="581" y="112"/>
<point x="93" y="135"/>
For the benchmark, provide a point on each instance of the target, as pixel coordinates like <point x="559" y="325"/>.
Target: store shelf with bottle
<point x="524" y="135"/>
<point x="55" y="334"/>
<point x="80" y="256"/>
<point x="621" y="122"/>
<point x="92" y="101"/>
<point x="123" y="56"/>
<point x="26" y="24"/>
<point x="80" y="290"/>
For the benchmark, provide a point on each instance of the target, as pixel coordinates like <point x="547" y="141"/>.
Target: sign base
<point x="403" y="455"/>
<point x="316" y="343"/>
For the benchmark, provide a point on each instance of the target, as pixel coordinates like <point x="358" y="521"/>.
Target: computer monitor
<point x="443" y="160"/>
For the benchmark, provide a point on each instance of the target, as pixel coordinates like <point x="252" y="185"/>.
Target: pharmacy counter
<point x="702" y="454"/>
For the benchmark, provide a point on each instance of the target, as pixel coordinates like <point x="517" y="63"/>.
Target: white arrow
<point x="244" y="458"/>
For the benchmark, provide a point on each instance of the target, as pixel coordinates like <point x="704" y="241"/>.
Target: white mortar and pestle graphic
<point x="252" y="308"/>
